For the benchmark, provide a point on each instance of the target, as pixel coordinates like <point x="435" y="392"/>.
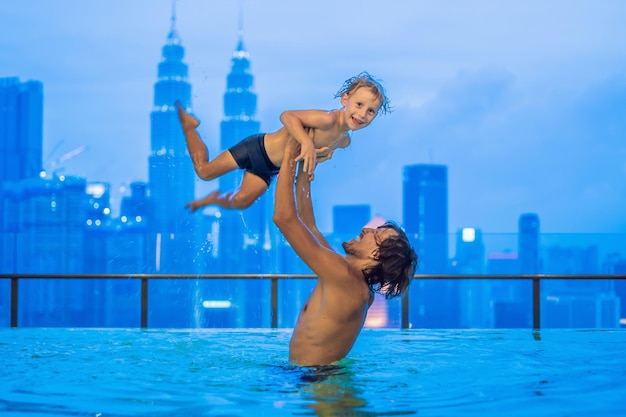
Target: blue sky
<point x="525" y="102"/>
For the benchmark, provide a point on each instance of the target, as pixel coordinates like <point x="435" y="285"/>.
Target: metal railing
<point x="404" y="322"/>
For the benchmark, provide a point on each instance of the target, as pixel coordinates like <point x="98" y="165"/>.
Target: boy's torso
<point x="332" y="138"/>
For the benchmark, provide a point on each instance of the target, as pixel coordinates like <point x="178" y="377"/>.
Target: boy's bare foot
<point x="208" y="200"/>
<point x="187" y="121"/>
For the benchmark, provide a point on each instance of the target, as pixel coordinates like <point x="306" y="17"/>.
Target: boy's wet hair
<point x="364" y="79"/>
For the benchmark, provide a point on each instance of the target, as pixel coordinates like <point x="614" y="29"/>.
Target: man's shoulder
<point x="341" y="273"/>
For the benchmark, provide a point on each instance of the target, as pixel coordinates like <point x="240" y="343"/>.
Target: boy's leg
<point x="251" y="188"/>
<point x="207" y="170"/>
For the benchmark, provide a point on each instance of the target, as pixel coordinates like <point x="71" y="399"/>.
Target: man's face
<point x="367" y="243"/>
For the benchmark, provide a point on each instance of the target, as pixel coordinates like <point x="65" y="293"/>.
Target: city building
<point x="21" y="129"/>
<point x="434" y="302"/>
<point x="171" y="185"/>
<point x="469" y="258"/>
<point x="591" y="303"/>
<point x="528" y="243"/>
<point x="246" y="238"/>
<point x="49" y="238"/>
<point x="21" y="142"/>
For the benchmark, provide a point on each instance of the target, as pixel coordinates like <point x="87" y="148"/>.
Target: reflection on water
<point x="333" y="390"/>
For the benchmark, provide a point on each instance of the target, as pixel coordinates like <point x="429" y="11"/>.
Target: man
<point x="378" y="260"/>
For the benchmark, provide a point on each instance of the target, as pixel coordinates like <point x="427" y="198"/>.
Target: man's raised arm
<point x="314" y="252"/>
<point x="305" y="205"/>
<point x="285" y="204"/>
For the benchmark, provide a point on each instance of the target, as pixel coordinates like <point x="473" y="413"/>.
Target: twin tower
<point x="171" y="177"/>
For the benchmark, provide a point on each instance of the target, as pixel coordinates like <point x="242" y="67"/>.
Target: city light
<point x="468" y="234"/>
<point x="216" y="304"/>
<point x="96" y="189"/>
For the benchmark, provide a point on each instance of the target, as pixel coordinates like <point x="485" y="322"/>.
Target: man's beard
<point x="347" y="247"/>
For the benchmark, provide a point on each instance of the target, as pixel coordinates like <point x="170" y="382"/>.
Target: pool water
<point x="244" y="372"/>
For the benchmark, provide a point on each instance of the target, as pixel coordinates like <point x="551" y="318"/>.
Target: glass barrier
<point x="433" y="302"/>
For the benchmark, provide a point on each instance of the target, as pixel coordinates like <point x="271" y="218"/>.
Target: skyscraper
<point x="21" y="124"/>
<point x="425" y="211"/>
<point x="528" y="243"/>
<point x="245" y="238"/>
<point x="171" y="185"/>
<point x="21" y="141"/>
<point x="434" y="303"/>
<point x="244" y="234"/>
<point x="171" y="174"/>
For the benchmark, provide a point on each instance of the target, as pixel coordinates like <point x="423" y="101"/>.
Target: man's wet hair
<point x="364" y="79"/>
<point x="397" y="262"/>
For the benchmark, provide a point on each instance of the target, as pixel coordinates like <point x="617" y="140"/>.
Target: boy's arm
<point x="305" y="205"/>
<point x="296" y="122"/>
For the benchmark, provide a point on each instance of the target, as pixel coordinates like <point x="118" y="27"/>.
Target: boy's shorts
<point x="251" y="156"/>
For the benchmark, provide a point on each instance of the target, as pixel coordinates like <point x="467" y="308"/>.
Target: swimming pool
<point x="244" y="372"/>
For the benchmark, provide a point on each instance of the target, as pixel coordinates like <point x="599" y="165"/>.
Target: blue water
<point x="244" y="372"/>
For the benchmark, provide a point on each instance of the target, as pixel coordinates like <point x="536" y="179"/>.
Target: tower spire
<point x="173" y="35"/>
<point x="240" y="51"/>
<point x="173" y="15"/>
<point x="240" y="23"/>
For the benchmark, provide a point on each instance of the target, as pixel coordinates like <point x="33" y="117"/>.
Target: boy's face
<point x="361" y="107"/>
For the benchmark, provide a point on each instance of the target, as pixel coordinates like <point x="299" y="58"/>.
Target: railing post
<point x="536" y="303"/>
<point x="404" y="319"/>
<point x="14" y="295"/>
<point x="144" y="302"/>
<point x="274" y="302"/>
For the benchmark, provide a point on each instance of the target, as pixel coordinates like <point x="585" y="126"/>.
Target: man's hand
<point x="308" y="157"/>
<point x="322" y="154"/>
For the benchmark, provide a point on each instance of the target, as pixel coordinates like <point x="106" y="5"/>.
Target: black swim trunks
<point x="250" y="155"/>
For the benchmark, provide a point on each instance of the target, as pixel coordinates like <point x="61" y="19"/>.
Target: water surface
<point x="244" y="372"/>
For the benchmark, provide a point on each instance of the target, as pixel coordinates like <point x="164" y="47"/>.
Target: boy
<point x="318" y="133"/>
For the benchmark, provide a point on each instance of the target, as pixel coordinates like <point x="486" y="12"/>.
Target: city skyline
<point x="533" y="128"/>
